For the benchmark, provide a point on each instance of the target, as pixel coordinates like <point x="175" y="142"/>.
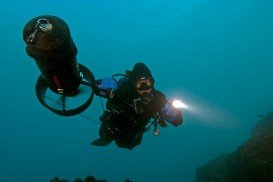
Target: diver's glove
<point x="172" y="115"/>
<point x="107" y="87"/>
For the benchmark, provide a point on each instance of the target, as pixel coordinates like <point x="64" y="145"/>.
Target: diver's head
<point x="143" y="86"/>
<point x="142" y="79"/>
<point x="140" y="70"/>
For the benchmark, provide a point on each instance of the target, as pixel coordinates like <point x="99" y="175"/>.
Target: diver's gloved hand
<point x="172" y="114"/>
<point x="108" y="86"/>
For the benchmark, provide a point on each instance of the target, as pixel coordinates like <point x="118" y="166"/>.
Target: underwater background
<point x="217" y="56"/>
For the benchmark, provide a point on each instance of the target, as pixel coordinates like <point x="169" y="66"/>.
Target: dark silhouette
<point x="132" y="102"/>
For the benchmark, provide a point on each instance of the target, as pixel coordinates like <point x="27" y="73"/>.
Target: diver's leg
<point x="106" y="136"/>
<point x="106" y="132"/>
<point x="129" y="142"/>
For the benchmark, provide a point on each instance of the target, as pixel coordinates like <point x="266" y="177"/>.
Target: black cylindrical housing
<point x="50" y="44"/>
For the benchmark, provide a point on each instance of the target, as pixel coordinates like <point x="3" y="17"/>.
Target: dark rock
<point x="87" y="179"/>
<point x="252" y="162"/>
<point x="56" y="179"/>
<point x="264" y="126"/>
<point x="214" y="171"/>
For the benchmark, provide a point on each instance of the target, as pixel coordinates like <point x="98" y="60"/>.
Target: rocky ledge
<point x="251" y="162"/>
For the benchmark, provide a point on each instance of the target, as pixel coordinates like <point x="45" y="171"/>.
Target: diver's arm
<point x="172" y="115"/>
<point x="178" y="120"/>
<point x="106" y="87"/>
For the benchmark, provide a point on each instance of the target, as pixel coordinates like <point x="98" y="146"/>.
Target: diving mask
<point x="144" y="87"/>
<point x="143" y="84"/>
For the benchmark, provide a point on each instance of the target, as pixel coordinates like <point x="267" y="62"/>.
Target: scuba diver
<point x="132" y="103"/>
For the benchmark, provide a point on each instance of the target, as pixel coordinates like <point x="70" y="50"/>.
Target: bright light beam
<point x="179" y="104"/>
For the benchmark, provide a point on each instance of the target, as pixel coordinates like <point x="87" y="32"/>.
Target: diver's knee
<point x="105" y="117"/>
<point x="104" y="132"/>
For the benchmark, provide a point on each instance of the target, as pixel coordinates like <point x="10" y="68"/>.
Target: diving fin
<point x="101" y="142"/>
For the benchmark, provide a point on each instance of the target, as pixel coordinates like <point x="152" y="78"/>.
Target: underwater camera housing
<point x="49" y="43"/>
